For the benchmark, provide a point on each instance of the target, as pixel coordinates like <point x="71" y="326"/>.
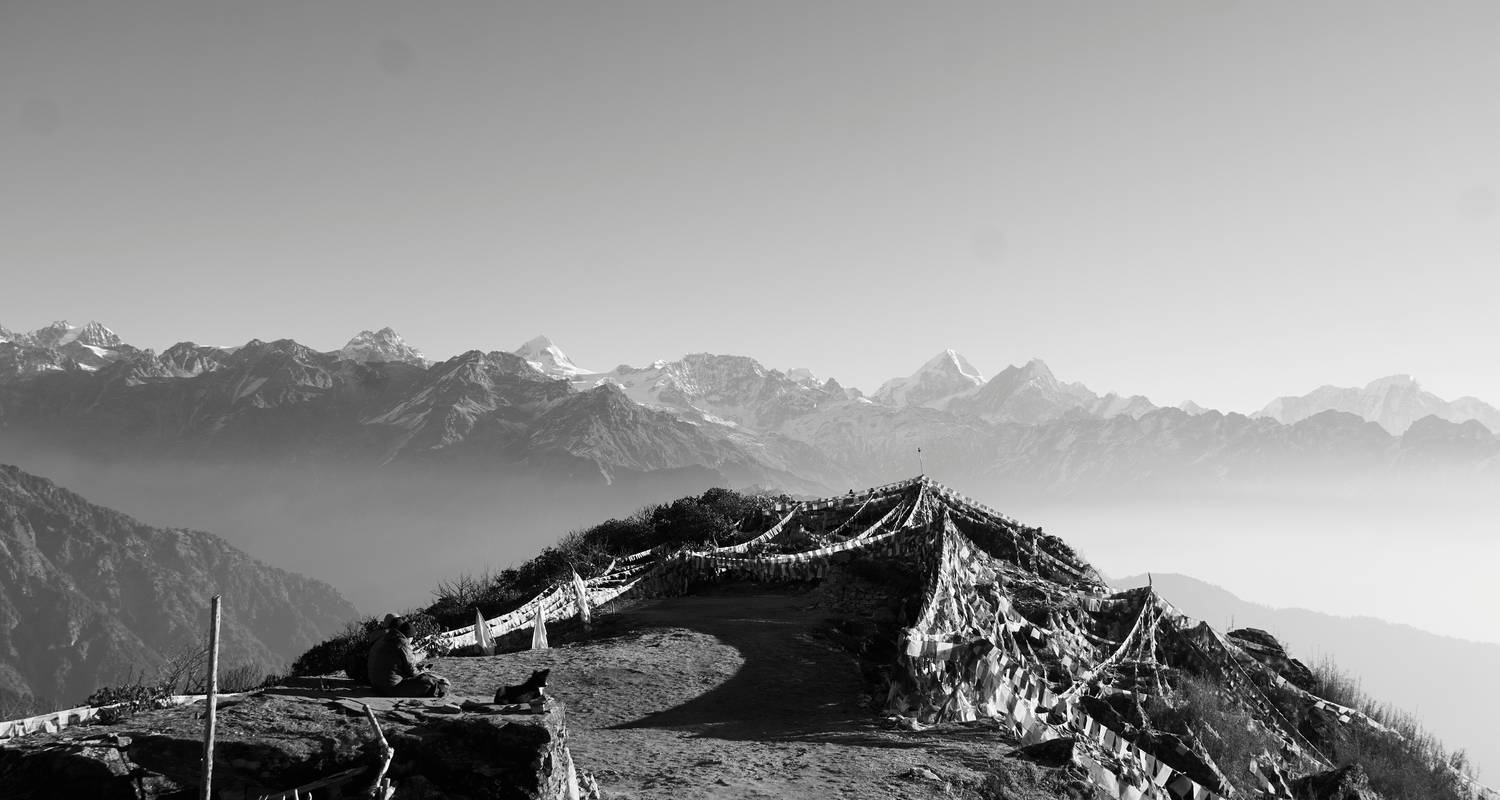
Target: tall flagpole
<point x="206" y="790"/>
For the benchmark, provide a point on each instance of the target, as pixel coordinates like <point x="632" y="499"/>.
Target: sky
<point x="1216" y="201"/>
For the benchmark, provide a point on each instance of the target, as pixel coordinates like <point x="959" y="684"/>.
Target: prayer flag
<point x="482" y="634"/>
<point x="539" y="633"/>
<point x="584" y="614"/>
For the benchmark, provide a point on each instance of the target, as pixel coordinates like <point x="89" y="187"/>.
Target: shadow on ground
<point x="794" y="685"/>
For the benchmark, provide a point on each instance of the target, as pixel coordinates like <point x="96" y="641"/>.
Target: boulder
<point x="486" y="754"/>
<point x="1267" y="650"/>
<point x="1104" y="712"/>
<point x="1130" y="710"/>
<point x="1051" y="753"/>
<point x="1120" y="713"/>
<point x="1184" y="755"/>
<point x="1347" y="783"/>
<point x="86" y="766"/>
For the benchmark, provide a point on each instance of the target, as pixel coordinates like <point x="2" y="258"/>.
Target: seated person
<point x="392" y="668"/>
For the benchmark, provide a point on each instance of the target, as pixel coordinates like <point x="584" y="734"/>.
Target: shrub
<point x="1407" y="761"/>
<point x="694" y="520"/>
<point x="428" y="638"/>
<point x="14" y="705"/>
<point x="185" y="670"/>
<point x="329" y="655"/>
<point x="126" y="698"/>
<point x="242" y="678"/>
<point x="465" y="590"/>
<point x="1230" y="735"/>
<point x="709" y="518"/>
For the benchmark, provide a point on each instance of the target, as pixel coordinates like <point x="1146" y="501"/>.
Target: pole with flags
<point x="921" y="465"/>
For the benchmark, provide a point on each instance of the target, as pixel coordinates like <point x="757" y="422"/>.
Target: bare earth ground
<point x="739" y="695"/>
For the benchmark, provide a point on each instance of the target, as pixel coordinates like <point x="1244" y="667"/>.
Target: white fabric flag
<point x="584" y="614"/>
<point x="539" y="633"/>
<point x="482" y="634"/>
<point x="570" y="785"/>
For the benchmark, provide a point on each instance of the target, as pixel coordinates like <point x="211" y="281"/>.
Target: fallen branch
<point x="381" y="788"/>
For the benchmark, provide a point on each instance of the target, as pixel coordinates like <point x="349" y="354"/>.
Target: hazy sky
<point x="1207" y="200"/>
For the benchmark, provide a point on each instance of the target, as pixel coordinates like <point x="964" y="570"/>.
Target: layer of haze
<point x="1217" y="201"/>
<point x="1419" y="558"/>
<point x="1423" y="555"/>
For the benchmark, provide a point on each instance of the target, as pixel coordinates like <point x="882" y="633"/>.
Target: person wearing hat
<point x="393" y="669"/>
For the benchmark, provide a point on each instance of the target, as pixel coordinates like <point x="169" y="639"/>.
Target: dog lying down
<point x="528" y="692"/>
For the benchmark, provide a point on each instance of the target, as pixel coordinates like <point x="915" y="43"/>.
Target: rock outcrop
<point x="1270" y="652"/>
<point x="1348" y="783"/>
<point x="284" y="738"/>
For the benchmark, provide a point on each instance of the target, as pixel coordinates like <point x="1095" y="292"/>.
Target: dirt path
<point x="735" y="695"/>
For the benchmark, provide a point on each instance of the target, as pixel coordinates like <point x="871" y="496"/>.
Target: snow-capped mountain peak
<point x="1395" y="402"/>
<point x="720" y="389"/>
<point x="96" y="335"/>
<point x="933" y="384"/>
<point x="61" y="346"/>
<point x="62" y="333"/>
<point x="382" y="345"/>
<point x="1392" y="382"/>
<point x="949" y="361"/>
<point x="802" y="375"/>
<point x="1191" y="409"/>
<point x="55" y="335"/>
<point x="547" y="357"/>
<point x="1037" y="369"/>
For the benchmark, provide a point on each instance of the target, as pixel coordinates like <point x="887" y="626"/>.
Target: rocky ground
<point x="742" y="693"/>
<point x="314" y="734"/>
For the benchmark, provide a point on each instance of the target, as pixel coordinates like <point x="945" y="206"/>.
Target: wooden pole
<point x="206" y="791"/>
<point x="381" y="789"/>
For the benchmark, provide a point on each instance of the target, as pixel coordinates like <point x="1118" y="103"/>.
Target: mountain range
<point x="89" y="596"/>
<point x="60" y="346"/>
<point x="373" y="457"/>
<point x="379" y="401"/>
<point x="1396" y="403"/>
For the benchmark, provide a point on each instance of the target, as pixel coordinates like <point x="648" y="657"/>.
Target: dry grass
<point x="1410" y="762"/>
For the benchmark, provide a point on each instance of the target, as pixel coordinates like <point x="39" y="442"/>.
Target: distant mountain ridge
<point x="89" y="596"/>
<point x="379" y="401"/>
<point x="286" y="402"/>
<point x="1395" y="403"/>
